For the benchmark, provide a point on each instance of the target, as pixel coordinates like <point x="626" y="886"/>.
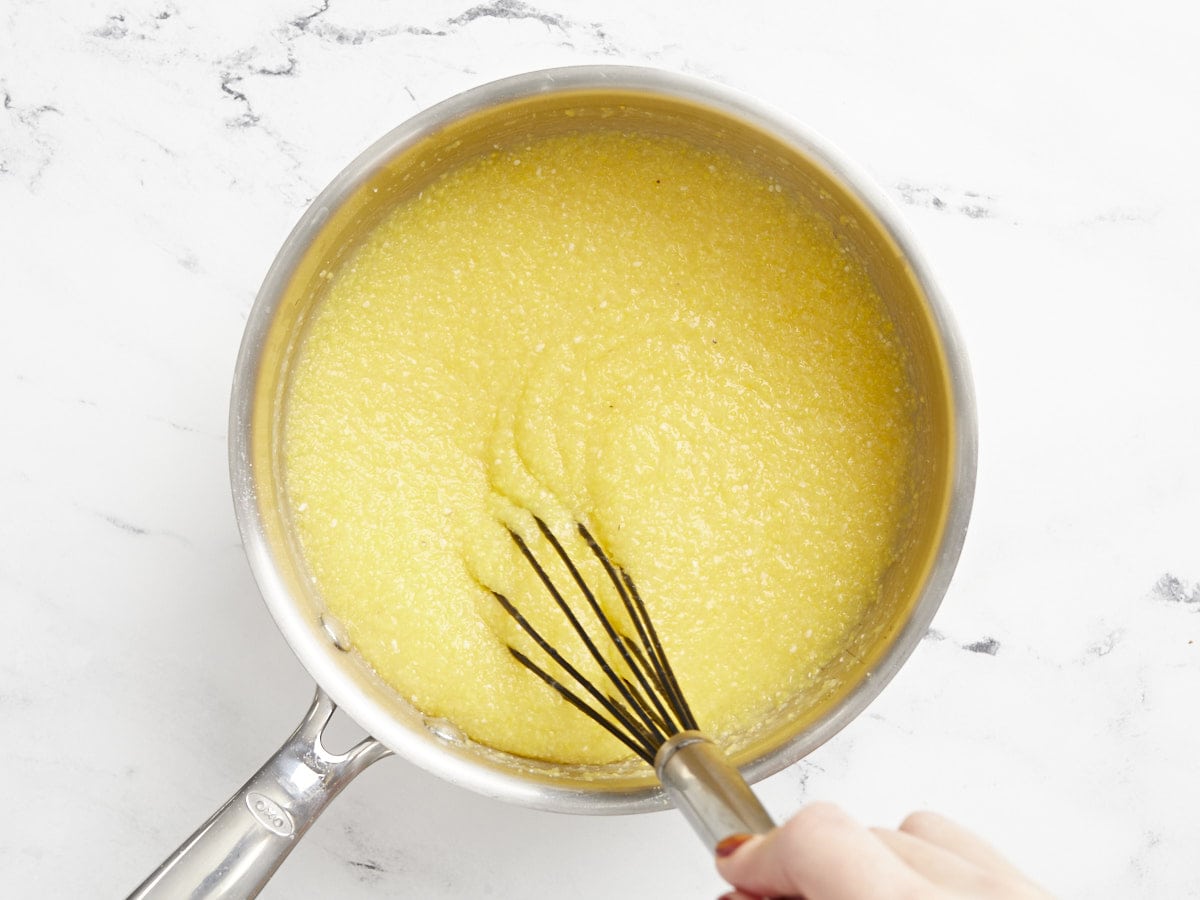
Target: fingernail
<point x="730" y="844"/>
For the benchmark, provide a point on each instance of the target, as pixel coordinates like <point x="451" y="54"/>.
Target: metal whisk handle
<point x="708" y="790"/>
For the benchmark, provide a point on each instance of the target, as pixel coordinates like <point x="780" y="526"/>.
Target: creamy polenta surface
<point x="622" y="330"/>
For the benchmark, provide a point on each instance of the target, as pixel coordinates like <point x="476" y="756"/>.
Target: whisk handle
<point x="708" y="789"/>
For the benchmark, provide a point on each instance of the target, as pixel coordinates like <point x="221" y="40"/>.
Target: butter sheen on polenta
<point x="624" y="330"/>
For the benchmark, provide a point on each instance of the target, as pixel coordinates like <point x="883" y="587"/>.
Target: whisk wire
<point x="634" y="700"/>
<point x="645" y="629"/>
<point x="620" y="641"/>
<point x="641" y="747"/>
<point x="613" y="708"/>
<point x="650" y="708"/>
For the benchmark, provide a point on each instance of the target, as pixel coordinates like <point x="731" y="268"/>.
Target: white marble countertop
<point x="154" y="154"/>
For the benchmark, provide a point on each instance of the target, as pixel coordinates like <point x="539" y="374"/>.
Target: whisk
<point x="643" y="707"/>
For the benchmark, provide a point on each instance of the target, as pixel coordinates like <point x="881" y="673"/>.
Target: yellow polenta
<point x="624" y="330"/>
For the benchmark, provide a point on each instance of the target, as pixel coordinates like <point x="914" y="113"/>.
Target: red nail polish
<point x="728" y="845"/>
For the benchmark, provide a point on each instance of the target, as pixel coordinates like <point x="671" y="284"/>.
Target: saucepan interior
<point x="512" y="111"/>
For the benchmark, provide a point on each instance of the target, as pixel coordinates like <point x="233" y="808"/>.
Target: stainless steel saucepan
<point x="239" y="848"/>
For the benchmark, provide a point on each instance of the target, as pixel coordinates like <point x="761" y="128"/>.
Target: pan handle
<point x="235" y="852"/>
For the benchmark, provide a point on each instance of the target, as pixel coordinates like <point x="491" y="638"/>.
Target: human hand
<point x="821" y="853"/>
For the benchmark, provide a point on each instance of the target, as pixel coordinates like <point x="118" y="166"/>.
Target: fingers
<point x="937" y="865"/>
<point x="940" y="831"/>
<point x="823" y="854"/>
<point x="820" y="853"/>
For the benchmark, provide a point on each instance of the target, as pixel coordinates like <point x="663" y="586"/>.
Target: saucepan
<point x="238" y="849"/>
